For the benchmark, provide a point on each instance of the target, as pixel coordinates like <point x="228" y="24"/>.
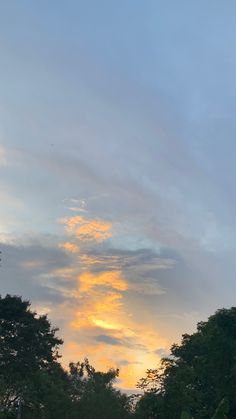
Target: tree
<point x="28" y="345"/>
<point x="149" y="406"/>
<point x="200" y="372"/>
<point x="50" y="396"/>
<point x="94" y="395"/>
<point x="222" y="410"/>
<point x="185" y="415"/>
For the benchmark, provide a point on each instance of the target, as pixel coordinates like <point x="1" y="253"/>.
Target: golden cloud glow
<point x="98" y="309"/>
<point x="88" y="229"/>
<point x="106" y="325"/>
<point x="100" y="326"/>
<point x="112" y="279"/>
<point x="70" y="247"/>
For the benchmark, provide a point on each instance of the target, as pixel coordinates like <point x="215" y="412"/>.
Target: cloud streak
<point x="88" y="229"/>
<point x="139" y="168"/>
<point x="104" y="276"/>
<point x="3" y="156"/>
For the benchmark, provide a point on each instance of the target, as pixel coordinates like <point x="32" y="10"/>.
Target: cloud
<point x="162" y="352"/>
<point x="85" y="285"/>
<point x="112" y="279"/>
<point x="141" y="268"/>
<point x="3" y="156"/>
<point x="23" y="267"/>
<point x="106" y="325"/>
<point x="88" y="229"/>
<point x="70" y="247"/>
<point x="123" y="362"/>
<point x="128" y="342"/>
<point x="33" y="264"/>
<point x="106" y="277"/>
<point x="108" y="339"/>
<point x="114" y="258"/>
<point x="141" y="199"/>
<point x="75" y="205"/>
<point x="98" y="309"/>
<point x="148" y="287"/>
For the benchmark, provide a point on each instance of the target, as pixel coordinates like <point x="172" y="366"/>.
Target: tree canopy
<point x="94" y="395"/>
<point x="33" y="385"/>
<point x="200" y="372"/>
<point x="197" y="380"/>
<point x="28" y="344"/>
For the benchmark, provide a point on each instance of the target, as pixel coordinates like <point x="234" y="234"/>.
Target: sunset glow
<point x="117" y="163"/>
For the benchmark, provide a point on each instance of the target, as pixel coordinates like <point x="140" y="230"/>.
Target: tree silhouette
<point x="28" y="344"/>
<point x="200" y="372"/>
<point x="94" y="394"/>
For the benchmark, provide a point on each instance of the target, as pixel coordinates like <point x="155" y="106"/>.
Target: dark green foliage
<point x="150" y="405"/>
<point x="26" y="339"/>
<point x="28" y="346"/>
<point x="197" y="381"/>
<point x="50" y="395"/>
<point x="33" y="385"/>
<point x="7" y="415"/>
<point x="94" y="395"/>
<point x="200" y="372"/>
<point x="185" y="415"/>
<point x="222" y="410"/>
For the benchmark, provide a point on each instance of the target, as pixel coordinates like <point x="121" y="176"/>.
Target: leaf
<point x="185" y="415"/>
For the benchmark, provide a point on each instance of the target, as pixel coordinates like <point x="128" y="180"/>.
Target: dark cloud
<point x="127" y="342"/>
<point x="125" y="362"/>
<point x="24" y="268"/>
<point x="115" y="258"/>
<point x="110" y="340"/>
<point x="140" y="267"/>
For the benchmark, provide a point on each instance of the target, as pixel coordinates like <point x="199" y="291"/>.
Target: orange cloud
<point x="109" y="303"/>
<point x="110" y="261"/>
<point x="132" y="362"/>
<point x="112" y="279"/>
<point x="98" y="310"/>
<point x="101" y="326"/>
<point x="70" y="247"/>
<point x="88" y="229"/>
<point x="107" y="325"/>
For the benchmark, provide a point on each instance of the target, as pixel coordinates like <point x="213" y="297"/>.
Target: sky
<point x="117" y="171"/>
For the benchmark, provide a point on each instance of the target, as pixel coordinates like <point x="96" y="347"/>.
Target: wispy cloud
<point x="88" y="229"/>
<point x="70" y="247"/>
<point x="110" y="279"/>
<point x="3" y="156"/>
<point x="104" y="275"/>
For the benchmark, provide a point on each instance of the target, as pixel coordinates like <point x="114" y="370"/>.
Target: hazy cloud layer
<point x="117" y="168"/>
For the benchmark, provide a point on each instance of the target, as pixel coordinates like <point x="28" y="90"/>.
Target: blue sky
<point x="117" y="168"/>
